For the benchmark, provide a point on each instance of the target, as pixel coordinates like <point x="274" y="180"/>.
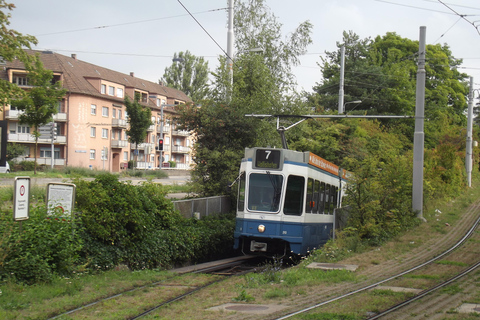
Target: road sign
<point x="21" y="198"/>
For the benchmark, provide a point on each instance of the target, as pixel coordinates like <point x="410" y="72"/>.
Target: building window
<point x="114" y="113"/>
<point x="111" y="91"/>
<point x="20" y="80"/>
<point x="125" y="155"/>
<point x="103" y="89"/>
<point x="105" y="133"/>
<point x="93" y="109"/>
<point x="46" y="152"/>
<point x="119" y="114"/>
<point x="105" y="111"/>
<point x="23" y="129"/>
<point x="120" y="92"/>
<point x="92" y="154"/>
<point x="104" y="154"/>
<point x="113" y="134"/>
<point x="92" y="132"/>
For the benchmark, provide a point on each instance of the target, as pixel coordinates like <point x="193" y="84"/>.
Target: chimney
<point x="74" y="56"/>
<point x="132" y="74"/>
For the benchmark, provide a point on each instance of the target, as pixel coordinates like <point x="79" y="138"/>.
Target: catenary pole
<point x="469" y="149"/>
<point x="419" y="135"/>
<point x="341" y="92"/>
<point x="230" y="39"/>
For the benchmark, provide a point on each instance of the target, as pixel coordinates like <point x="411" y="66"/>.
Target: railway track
<point x="218" y="270"/>
<point x="459" y="262"/>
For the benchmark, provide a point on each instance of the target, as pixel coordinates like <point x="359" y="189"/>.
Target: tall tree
<point x="255" y="26"/>
<point x="139" y="119"/>
<point x="262" y="83"/>
<point x="11" y="47"/>
<point x="382" y="73"/>
<point x="188" y="74"/>
<point x="41" y="101"/>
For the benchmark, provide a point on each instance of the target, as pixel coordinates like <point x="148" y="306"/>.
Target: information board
<point x="21" y="198"/>
<point x="60" y="196"/>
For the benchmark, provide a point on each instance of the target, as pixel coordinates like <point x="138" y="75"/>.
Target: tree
<point x="139" y="119"/>
<point x="262" y="83"/>
<point x="14" y="150"/>
<point x="41" y="101"/>
<point x="188" y="74"/>
<point x="256" y="27"/>
<point x="222" y="135"/>
<point x="11" y="47"/>
<point x="382" y="73"/>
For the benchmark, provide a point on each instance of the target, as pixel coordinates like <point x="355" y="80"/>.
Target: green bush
<point x="137" y="226"/>
<point x="26" y="165"/>
<point x="34" y="250"/>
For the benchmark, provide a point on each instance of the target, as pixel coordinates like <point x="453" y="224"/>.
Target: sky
<point x="142" y="36"/>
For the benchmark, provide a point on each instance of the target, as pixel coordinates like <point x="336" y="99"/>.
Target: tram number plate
<point x="269" y="159"/>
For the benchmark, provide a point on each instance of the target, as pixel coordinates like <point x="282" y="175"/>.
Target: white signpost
<point x="21" y="198"/>
<point x="61" y="196"/>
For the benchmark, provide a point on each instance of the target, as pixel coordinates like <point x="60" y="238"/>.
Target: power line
<point x="414" y="7"/>
<point x="461" y="16"/>
<point x="125" y="23"/>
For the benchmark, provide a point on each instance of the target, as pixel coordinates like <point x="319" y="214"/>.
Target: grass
<point x="63" y="294"/>
<point x="71" y="172"/>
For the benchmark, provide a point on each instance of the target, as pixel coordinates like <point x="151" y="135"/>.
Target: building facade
<point x="91" y="123"/>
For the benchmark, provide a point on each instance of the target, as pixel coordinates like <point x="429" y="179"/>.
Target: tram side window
<point x="333" y="200"/>
<point x="310" y="202"/>
<point x="316" y="196"/>
<point x="294" y="195"/>
<point x="321" y="202"/>
<point x="241" y="193"/>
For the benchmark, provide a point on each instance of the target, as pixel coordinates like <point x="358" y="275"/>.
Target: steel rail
<point x="459" y="243"/>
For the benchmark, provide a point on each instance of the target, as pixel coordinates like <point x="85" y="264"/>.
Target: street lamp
<point x="356" y="101"/>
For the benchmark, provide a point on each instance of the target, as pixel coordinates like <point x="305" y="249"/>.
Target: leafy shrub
<point x="43" y="246"/>
<point x="137" y="226"/>
<point x="26" y="166"/>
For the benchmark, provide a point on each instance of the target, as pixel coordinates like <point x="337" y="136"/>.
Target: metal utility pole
<point x="341" y="93"/>
<point x="54" y="134"/>
<point x="469" y="149"/>
<point x="230" y="38"/>
<point x="419" y="136"/>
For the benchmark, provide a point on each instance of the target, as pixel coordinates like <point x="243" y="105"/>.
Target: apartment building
<point x="91" y="122"/>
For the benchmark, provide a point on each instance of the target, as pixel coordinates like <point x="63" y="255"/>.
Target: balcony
<point x="181" y="149"/>
<point x="182" y="133"/>
<point x="165" y="129"/>
<point x="119" y="144"/>
<point x="60" y="117"/>
<point x="119" y="123"/>
<point x="151" y="128"/>
<point x="48" y="161"/>
<point x="28" y="138"/>
<point x="12" y="114"/>
<point x="145" y="165"/>
<point x="143" y="146"/>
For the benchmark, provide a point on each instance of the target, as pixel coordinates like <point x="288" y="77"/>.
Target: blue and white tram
<point x="286" y="201"/>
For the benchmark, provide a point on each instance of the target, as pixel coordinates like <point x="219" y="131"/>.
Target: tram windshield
<point x="264" y="191"/>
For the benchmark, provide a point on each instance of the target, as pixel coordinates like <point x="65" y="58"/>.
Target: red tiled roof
<point x="76" y="72"/>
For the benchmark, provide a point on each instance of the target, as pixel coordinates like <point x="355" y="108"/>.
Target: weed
<point x="243" y="296"/>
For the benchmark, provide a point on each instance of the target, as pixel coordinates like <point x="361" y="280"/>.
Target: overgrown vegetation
<point x="115" y="223"/>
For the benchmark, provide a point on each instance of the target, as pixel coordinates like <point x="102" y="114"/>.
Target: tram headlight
<point x="261" y="228"/>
